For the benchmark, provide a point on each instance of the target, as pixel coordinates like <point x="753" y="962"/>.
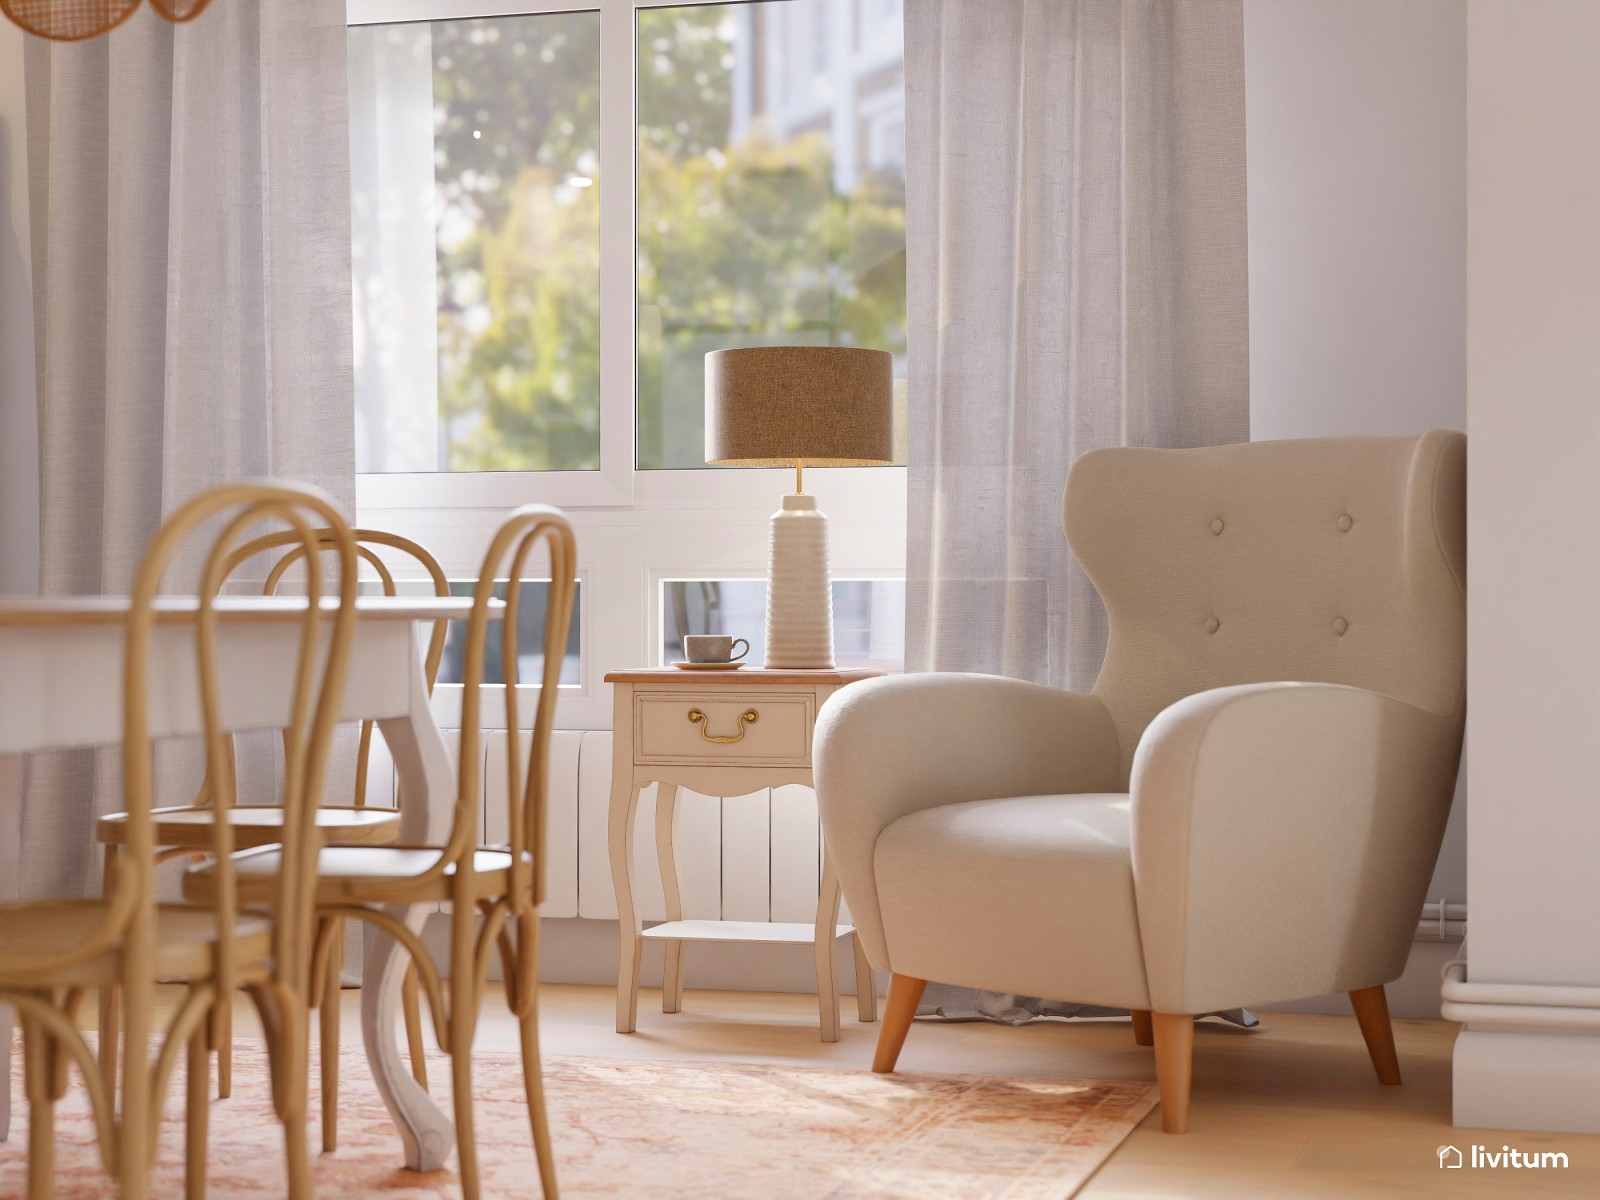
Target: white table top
<point x="24" y="611"/>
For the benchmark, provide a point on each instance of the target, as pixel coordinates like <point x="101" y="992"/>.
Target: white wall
<point x="1357" y="150"/>
<point x="1356" y="141"/>
<point x="1533" y="555"/>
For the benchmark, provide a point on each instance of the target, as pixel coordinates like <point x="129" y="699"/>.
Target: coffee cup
<point x="714" y="647"/>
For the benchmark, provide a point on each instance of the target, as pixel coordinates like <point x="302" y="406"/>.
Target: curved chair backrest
<point x="1332" y="560"/>
<point x="313" y="711"/>
<point x="309" y="718"/>
<point x="527" y="780"/>
<point x="365" y="539"/>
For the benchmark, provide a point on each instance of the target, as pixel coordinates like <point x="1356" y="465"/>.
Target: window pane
<point x="869" y="618"/>
<point x="530" y="632"/>
<point x="771" y="205"/>
<point x="474" y="150"/>
<point x="530" y="638"/>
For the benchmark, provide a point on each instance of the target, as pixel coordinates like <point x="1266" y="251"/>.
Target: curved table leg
<point x="427" y="794"/>
<point x="827" y="924"/>
<point x="667" y="857"/>
<point x="624" y="805"/>
<point x="866" y="994"/>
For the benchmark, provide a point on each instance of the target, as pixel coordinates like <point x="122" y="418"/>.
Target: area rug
<point x="626" y="1129"/>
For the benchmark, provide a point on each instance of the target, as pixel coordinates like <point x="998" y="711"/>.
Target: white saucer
<point x="727" y="666"/>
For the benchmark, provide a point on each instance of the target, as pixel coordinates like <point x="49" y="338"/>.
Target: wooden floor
<point x="1285" y="1111"/>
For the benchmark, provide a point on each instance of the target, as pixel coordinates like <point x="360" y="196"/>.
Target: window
<point x="558" y="207"/>
<point x="764" y="217"/>
<point x="868" y="618"/>
<point x="475" y="149"/>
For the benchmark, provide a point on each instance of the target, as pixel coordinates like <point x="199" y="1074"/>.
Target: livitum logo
<point x="1485" y="1156"/>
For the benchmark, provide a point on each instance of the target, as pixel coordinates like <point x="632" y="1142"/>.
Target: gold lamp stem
<point x="799" y="477"/>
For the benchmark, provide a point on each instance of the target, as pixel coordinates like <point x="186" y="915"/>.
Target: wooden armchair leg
<point x="1142" y="1034"/>
<point x="1174" y="1038"/>
<point x="1372" y="1014"/>
<point x="905" y="993"/>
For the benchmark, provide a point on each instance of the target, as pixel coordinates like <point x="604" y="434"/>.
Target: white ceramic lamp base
<point x="799" y="596"/>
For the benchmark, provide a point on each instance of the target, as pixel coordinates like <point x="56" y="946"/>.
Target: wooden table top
<point x="736" y="677"/>
<point x="33" y="611"/>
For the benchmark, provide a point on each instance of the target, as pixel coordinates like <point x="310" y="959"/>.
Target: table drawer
<point x="679" y="727"/>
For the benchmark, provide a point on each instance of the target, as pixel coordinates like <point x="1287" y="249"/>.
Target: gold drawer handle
<point x="749" y="715"/>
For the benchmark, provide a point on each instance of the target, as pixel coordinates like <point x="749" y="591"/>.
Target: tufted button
<point x="1344" y="523"/>
<point x="1340" y="625"/>
<point x="1212" y="625"/>
<point x="1216" y="525"/>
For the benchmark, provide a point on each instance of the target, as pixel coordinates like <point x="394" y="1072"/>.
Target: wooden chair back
<point x="365" y="539"/>
<point x="314" y="522"/>
<point x="527" y="778"/>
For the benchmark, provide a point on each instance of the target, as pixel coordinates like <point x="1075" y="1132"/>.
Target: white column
<point x="1530" y="1055"/>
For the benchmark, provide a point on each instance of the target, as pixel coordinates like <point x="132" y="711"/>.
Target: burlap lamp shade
<point x="791" y="406"/>
<point x="775" y="406"/>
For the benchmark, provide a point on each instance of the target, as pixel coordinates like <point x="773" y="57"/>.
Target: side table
<point x="719" y="733"/>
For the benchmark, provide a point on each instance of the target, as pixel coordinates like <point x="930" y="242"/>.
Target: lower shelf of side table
<point x="790" y="932"/>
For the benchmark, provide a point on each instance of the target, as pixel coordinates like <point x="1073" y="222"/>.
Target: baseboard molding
<point x="1547" y="1081"/>
<point x="582" y="950"/>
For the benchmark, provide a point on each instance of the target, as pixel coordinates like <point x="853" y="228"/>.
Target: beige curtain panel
<point x="189" y="203"/>
<point x="1075" y="188"/>
<point x="1076" y="278"/>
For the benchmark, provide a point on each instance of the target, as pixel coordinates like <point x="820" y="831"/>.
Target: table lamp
<point x="799" y="406"/>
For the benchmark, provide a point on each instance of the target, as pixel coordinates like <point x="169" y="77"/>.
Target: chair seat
<point x="254" y="825"/>
<point x="1028" y="894"/>
<point x="185" y="946"/>
<point x="349" y="874"/>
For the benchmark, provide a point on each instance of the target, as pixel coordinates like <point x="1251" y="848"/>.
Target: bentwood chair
<point x="491" y="890"/>
<point x="185" y="830"/>
<point x="1246" y="808"/>
<point x="52" y="952"/>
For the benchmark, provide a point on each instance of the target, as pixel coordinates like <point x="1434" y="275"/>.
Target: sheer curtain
<point x="189" y="200"/>
<point x="1076" y="278"/>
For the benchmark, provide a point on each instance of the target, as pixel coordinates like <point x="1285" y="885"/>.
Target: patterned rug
<point x="627" y="1128"/>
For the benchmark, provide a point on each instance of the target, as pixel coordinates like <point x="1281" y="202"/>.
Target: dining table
<point x="61" y="660"/>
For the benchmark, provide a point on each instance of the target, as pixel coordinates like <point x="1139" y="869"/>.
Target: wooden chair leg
<point x="328" y="1030"/>
<point x="532" y="1067"/>
<point x="197" y="1115"/>
<point x="905" y="993"/>
<point x="411" y="1003"/>
<point x="1372" y="1014"/>
<point x="110" y="1001"/>
<point x="37" y="1066"/>
<point x="461" y="1014"/>
<point x="1142" y="1034"/>
<point x="222" y="1041"/>
<point x="1174" y="1038"/>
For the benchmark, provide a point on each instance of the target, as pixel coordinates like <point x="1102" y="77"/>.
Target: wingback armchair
<point x="1247" y="806"/>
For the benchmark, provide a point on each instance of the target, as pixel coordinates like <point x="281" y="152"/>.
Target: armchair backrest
<point x="1330" y="560"/>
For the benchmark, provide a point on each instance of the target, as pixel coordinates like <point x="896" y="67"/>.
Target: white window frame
<point x="635" y="527"/>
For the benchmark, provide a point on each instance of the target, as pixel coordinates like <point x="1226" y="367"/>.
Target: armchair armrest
<point x="1283" y="837"/>
<point x="889" y="747"/>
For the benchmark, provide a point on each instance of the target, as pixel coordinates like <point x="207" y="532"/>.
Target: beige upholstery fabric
<point x="1339" y="560"/>
<point x="941" y="864"/>
<point x="1282" y="701"/>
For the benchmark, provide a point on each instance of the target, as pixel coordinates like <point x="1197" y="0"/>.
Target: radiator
<point x="740" y="858"/>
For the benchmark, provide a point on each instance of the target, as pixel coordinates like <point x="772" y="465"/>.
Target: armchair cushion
<point x="887" y="748"/>
<point x="1028" y="894"/>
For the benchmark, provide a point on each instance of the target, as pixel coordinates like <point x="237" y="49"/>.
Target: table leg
<point x="827" y="923"/>
<point x="866" y="994"/>
<point x="427" y="795"/>
<point x="624" y="805"/>
<point x="667" y="857"/>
